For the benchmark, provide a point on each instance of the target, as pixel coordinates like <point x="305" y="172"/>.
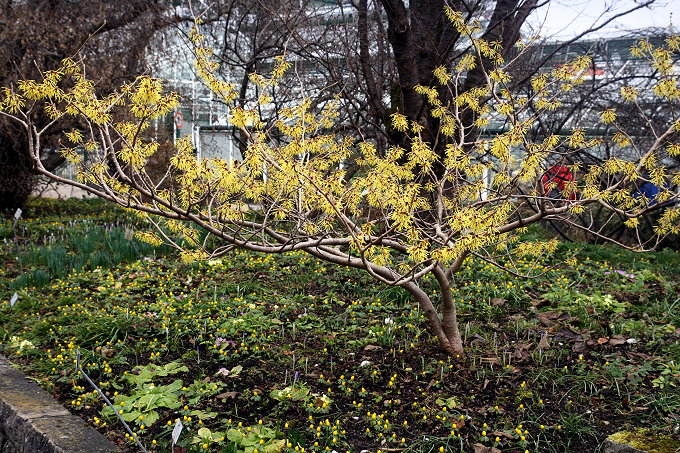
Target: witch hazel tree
<point x="445" y="193"/>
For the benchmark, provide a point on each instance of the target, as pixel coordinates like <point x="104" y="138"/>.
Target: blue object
<point x="648" y="190"/>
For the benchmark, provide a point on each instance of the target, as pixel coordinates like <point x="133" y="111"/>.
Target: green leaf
<point x="176" y="385"/>
<point x="274" y="446"/>
<point x="202" y="415"/>
<point x="130" y="416"/>
<point x="150" y="418"/>
<point x="205" y="433"/>
<point x="235" y="435"/>
<point x="290" y="393"/>
<point x="147" y="401"/>
<point x="451" y="402"/>
<point x="252" y="439"/>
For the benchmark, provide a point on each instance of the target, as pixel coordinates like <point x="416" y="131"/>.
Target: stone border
<point x="31" y="421"/>
<point x="609" y="446"/>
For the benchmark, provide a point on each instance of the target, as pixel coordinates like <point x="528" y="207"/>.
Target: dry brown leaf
<point x="521" y="351"/>
<point x="498" y="301"/>
<point x="617" y="340"/>
<point x="501" y="434"/>
<point x="548" y="314"/>
<point x="479" y="448"/>
<point x="566" y="334"/>
<point x="226" y="395"/>
<point x="491" y="360"/>
<point x="579" y="346"/>
<point x="459" y="424"/>
<point x="371" y="347"/>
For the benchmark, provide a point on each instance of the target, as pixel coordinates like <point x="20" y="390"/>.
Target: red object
<point x="179" y="120"/>
<point x="558" y="175"/>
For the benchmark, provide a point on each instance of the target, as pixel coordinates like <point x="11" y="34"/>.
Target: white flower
<point x="21" y="344"/>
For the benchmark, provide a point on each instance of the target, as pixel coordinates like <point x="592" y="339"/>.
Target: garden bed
<point x="271" y="353"/>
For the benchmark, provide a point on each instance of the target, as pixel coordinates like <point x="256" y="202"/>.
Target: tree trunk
<point x="17" y="179"/>
<point x="449" y="313"/>
<point x="447" y="332"/>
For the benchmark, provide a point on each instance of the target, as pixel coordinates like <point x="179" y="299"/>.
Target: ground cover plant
<point x="444" y="190"/>
<point x="257" y="352"/>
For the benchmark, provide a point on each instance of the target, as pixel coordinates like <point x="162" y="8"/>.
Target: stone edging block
<point x="31" y="421"/>
<point x="609" y="446"/>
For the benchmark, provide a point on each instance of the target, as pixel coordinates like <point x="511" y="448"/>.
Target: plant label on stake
<point x="176" y="431"/>
<point x="17" y="216"/>
<point x="13" y="300"/>
<point x="129" y="234"/>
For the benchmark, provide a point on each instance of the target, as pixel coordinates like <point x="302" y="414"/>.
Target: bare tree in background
<point x="36" y="35"/>
<point x="374" y="53"/>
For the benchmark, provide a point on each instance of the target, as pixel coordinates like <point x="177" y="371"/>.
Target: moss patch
<point x="643" y="440"/>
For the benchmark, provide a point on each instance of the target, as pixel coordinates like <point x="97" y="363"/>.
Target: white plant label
<point x="13" y="300"/>
<point x="176" y="431"/>
<point x="17" y="214"/>
<point x="129" y="234"/>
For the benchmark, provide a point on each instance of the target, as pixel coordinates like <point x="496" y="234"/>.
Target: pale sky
<point x="562" y="19"/>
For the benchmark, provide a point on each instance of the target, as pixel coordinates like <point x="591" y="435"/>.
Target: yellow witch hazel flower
<point x="12" y="102"/>
<point x="608" y="116"/>
<point x="149" y="237"/>
<point x="399" y="122"/>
